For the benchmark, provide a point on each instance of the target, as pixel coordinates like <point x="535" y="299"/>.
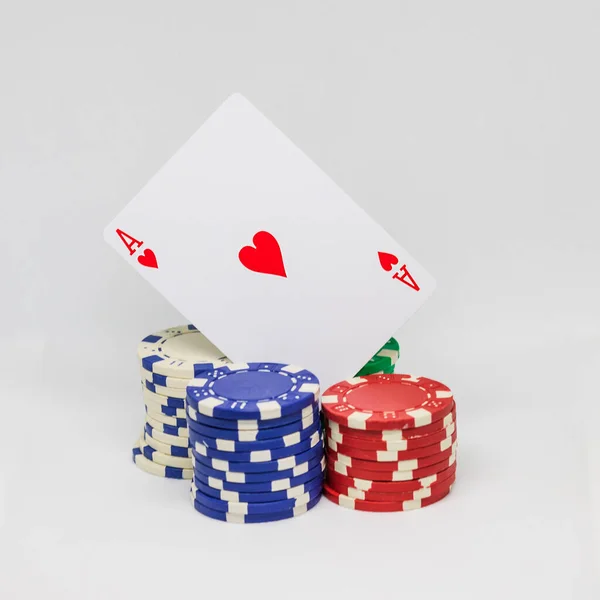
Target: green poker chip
<point x="384" y="361"/>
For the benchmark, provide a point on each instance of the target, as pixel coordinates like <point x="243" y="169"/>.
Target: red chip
<point x="366" y="505"/>
<point x="395" y="435"/>
<point x="420" y="494"/>
<point x="390" y="467"/>
<point x="369" y="443"/>
<point x="388" y="456"/>
<point x="387" y="401"/>
<point x="389" y="476"/>
<point x="390" y="487"/>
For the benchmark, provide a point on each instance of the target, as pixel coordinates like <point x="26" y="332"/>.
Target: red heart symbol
<point x="148" y="259"/>
<point x="265" y="257"/>
<point x="387" y="260"/>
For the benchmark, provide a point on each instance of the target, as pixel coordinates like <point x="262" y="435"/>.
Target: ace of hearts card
<point x="265" y="254"/>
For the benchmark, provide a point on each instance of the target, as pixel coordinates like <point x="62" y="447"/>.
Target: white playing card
<point x="325" y="287"/>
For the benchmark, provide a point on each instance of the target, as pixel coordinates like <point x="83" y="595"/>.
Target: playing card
<point x="264" y="253"/>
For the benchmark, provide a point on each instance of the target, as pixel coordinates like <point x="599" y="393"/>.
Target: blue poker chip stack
<point x="169" y="359"/>
<point x="256" y="444"/>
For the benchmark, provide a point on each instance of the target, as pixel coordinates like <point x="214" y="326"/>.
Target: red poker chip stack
<point x="390" y="442"/>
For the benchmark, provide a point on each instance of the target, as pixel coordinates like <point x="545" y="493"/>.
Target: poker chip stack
<point x="169" y="360"/>
<point x="384" y="361"/>
<point x="390" y="442"/>
<point x="257" y="450"/>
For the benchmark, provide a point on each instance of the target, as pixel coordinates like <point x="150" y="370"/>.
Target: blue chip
<point x="266" y="486"/>
<point x="226" y="445"/>
<point x="256" y="508"/>
<point x="261" y="454"/>
<point x="277" y="478"/>
<point x="282" y="464"/>
<point x="252" y="497"/>
<point x="260" y="518"/>
<point x="253" y="435"/>
<point x="253" y="391"/>
<point x="251" y="424"/>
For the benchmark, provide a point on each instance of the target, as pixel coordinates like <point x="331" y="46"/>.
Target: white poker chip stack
<point x="168" y="361"/>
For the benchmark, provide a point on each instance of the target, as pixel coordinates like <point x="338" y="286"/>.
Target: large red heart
<point x="387" y="260"/>
<point x="148" y="259"/>
<point x="265" y="257"/>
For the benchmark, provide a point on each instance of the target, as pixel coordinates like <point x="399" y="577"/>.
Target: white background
<point x="468" y="129"/>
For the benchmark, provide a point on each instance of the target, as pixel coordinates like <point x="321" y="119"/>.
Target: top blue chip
<point x="181" y="352"/>
<point x="253" y="391"/>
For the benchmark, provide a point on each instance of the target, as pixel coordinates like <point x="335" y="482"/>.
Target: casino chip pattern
<point x="267" y="463"/>
<point x="253" y="442"/>
<point x="169" y="359"/>
<point x="390" y="442"/>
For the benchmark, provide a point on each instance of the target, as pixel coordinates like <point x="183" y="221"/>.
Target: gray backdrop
<point x="469" y="129"/>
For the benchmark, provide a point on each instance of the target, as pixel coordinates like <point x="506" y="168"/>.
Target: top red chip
<point x="387" y="401"/>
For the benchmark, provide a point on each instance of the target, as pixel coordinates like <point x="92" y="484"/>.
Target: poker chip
<point x="277" y="478"/>
<point x="181" y="352"/>
<point x="250" y="508"/>
<point x="255" y="435"/>
<point x="164" y="459"/>
<point x="394" y="435"/>
<point x="169" y="411"/>
<point x="370" y="506"/>
<point x="384" y="361"/>
<point x="256" y="456"/>
<point x="253" y="497"/>
<point x="151" y="398"/>
<point x="387" y="467"/>
<point x="251" y="424"/>
<point x="164" y="428"/>
<point x="276" y="485"/>
<point x="282" y="464"/>
<point x="163" y="380"/>
<point x="157" y="469"/>
<point x="389" y="487"/>
<point x="398" y="446"/>
<point x="172" y="440"/>
<point x="253" y="390"/>
<point x="390" y="442"/>
<point x="391" y="476"/>
<point x="255" y="518"/>
<point x="167" y="448"/>
<point x="259" y="433"/>
<point x="387" y="401"/>
<point x="391" y="455"/>
<point x="271" y="443"/>
<point x="173" y="421"/>
<point x="421" y="493"/>
<point x="251" y="437"/>
<point x="171" y="393"/>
